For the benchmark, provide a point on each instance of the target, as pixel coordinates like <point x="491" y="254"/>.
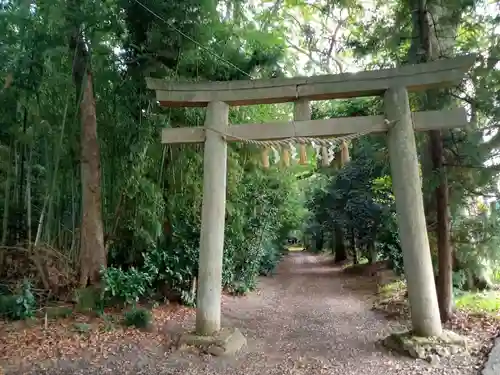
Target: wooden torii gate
<point x="399" y="124"/>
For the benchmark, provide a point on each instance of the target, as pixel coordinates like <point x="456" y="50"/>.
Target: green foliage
<point x="479" y="303"/>
<point x="262" y="208"/>
<point x="88" y="299"/>
<point x="58" y="312"/>
<point x="126" y="286"/>
<point x="470" y="27"/>
<point x="477" y="246"/>
<point x="272" y="254"/>
<point x="82" y="328"/>
<point x="388" y="244"/>
<point x="137" y="317"/>
<point x="188" y="298"/>
<point x="152" y="193"/>
<point x="254" y="237"/>
<point x="18" y="306"/>
<point x="459" y="280"/>
<point x="357" y="199"/>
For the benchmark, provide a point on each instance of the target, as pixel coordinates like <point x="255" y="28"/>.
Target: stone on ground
<point x="492" y="366"/>
<point x="226" y="342"/>
<point x="428" y="348"/>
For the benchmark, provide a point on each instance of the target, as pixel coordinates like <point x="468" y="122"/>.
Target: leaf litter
<point x="80" y="335"/>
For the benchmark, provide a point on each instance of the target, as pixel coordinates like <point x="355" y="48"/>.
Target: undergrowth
<point x="481" y="303"/>
<point x="19" y="305"/>
<point x="138" y="317"/>
<point x="487" y="302"/>
<point x="392" y="289"/>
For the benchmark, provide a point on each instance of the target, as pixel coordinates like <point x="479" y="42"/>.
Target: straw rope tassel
<point x="265" y="157"/>
<point x="302" y="154"/>
<point x="344" y="150"/>
<point x="324" y="156"/>
<point x="285" y="156"/>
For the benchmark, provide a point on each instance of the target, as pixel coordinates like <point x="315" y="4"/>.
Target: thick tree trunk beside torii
<point x="425" y="47"/>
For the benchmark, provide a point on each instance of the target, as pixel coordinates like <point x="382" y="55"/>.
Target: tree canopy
<point x="78" y="126"/>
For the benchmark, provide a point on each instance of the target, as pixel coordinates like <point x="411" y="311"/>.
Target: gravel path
<point x="307" y="319"/>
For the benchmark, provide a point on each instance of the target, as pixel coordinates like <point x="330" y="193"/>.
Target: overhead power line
<point x="192" y="40"/>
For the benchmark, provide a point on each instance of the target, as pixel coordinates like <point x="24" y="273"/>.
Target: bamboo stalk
<point x="7" y="194"/>
<point x="47" y="203"/>
<point x="5" y="218"/>
<point x="28" y="194"/>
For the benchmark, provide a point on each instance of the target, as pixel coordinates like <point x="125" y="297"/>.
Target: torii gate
<point x="400" y="125"/>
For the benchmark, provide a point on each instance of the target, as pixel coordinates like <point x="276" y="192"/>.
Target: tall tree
<point x="92" y="250"/>
<point x="427" y="18"/>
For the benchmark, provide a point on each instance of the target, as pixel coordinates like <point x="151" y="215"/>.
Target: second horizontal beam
<point x="422" y="121"/>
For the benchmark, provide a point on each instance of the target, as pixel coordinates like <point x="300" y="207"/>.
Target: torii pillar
<point x="213" y="214"/>
<point x="407" y="189"/>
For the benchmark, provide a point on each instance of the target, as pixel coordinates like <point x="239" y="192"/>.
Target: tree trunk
<point x="340" y="250"/>
<point x="425" y="48"/>
<point x="355" y="259"/>
<point x="320" y="241"/>
<point x="445" y="253"/>
<point x="372" y="252"/>
<point x="92" y="251"/>
<point x="341" y="158"/>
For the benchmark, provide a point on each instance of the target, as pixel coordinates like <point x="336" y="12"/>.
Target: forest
<point x="97" y="212"/>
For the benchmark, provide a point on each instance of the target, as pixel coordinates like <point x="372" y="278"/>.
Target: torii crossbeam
<point x="393" y="84"/>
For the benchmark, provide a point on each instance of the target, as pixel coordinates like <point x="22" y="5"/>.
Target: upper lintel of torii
<point x="435" y="74"/>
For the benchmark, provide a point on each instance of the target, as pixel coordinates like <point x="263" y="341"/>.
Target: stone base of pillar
<point x="226" y="342"/>
<point x="427" y="348"/>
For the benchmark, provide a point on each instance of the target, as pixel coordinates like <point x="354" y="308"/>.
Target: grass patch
<point x="391" y="300"/>
<point x="481" y="303"/>
<point x="362" y="261"/>
<point x="393" y="289"/>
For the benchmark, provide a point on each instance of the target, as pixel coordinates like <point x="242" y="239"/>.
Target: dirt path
<point x="307" y="319"/>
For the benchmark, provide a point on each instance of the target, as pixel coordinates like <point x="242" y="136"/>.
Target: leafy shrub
<point x="262" y="208"/>
<point x="459" y="279"/>
<point x="126" y="286"/>
<point x="18" y="306"/>
<point x="389" y="246"/>
<point x="172" y="267"/>
<point x="89" y="299"/>
<point x="188" y="298"/>
<point x="270" y="259"/>
<point x="138" y="317"/>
